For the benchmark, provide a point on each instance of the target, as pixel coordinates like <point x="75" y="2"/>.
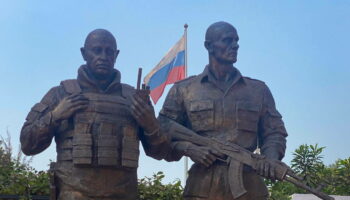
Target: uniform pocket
<point x="202" y="115"/>
<point x="247" y="116"/>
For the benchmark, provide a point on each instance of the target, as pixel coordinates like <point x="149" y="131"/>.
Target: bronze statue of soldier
<point x="223" y="105"/>
<point x="219" y="119"/>
<point x="96" y="131"/>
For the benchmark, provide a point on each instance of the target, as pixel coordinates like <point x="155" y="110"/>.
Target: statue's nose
<point x="104" y="54"/>
<point x="235" y="45"/>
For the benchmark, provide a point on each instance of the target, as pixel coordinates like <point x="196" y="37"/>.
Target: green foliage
<point x="151" y="188"/>
<point x="17" y="177"/>
<point x="282" y="190"/>
<point x="342" y="171"/>
<point x="308" y="164"/>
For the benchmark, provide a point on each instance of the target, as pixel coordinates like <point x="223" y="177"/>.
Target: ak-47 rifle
<point x="237" y="156"/>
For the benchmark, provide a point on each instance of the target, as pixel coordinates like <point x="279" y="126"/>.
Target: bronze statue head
<point x="100" y="53"/>
<point x="221" y="41"/>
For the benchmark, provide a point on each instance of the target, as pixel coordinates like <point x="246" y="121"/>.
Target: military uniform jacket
<point x="97" y="148"/>
<point x="244" y="114"/>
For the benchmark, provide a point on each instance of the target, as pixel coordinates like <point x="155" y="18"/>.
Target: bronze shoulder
<point x="255" y="84"/>
<point x="186" y="80"/>
<point x="127" y="89"/>
<point x="253" y="80"/>
<point x="71" y="86"/>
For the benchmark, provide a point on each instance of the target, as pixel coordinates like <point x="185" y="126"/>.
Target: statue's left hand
<point x="267" y="168"/>
<point x="143" y="112"/>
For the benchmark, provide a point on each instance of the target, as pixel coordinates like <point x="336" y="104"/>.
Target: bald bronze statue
<point x="97" y="137"/>
<point x="222" y="105"/>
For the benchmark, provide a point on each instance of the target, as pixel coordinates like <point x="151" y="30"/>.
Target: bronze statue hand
<point x="202" y="154"/>
<point x="267" y="168"/>
<point x="143" y="112"/>
<point x="68" y="106"/>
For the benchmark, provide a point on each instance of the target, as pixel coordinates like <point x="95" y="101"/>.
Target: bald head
<point x="215" y="30"/>
<point x="101" y="35"/>
<point x="100" y="53"/>
<point x="221" y="41"/>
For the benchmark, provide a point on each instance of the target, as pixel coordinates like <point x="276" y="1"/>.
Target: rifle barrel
<point x="309" y="189"/>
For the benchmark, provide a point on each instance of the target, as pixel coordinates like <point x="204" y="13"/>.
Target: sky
<point x="300" y="49"/>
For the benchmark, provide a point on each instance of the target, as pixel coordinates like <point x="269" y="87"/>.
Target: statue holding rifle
<point x="222" y="104"/>
<point x="218" y="118"/>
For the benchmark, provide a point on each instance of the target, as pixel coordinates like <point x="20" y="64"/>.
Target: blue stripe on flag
<point x="162" y="74"/>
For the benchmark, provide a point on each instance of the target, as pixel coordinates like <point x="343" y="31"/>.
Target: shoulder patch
<point x="71" y="86"/>
<point x="186" y="79"/>
<point x="39" y="107"/>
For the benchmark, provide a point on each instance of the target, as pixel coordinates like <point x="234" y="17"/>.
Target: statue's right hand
<point x="203" y="155"/>
<point x="68" y="106"/>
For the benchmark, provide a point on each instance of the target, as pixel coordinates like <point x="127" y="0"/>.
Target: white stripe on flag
<point x="179" y="46"/>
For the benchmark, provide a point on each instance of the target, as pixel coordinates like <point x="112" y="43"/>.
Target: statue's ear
<point x="208" y="45"/>
<point x="83" y="53"/>
<point x="116" y="55"/>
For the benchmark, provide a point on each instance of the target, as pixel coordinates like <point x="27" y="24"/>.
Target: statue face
<point x="100" y="53"/>
<point x="224" y="46"/>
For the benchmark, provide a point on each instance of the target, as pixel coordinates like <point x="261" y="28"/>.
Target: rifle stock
<point x="236" y="157"/>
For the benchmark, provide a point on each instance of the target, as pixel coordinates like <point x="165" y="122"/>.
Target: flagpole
<point x="186" y="158"/>
<point x="185" y="26"/>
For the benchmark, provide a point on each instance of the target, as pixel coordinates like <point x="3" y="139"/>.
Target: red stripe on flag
<point x="157" y="92"/>
<point x="176" y="74"/>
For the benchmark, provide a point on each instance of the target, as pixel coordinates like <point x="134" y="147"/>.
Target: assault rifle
<point x="237" y="157"/>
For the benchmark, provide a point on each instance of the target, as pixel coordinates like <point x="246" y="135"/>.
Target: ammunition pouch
<point x="130" y="152"/>
<point x="82" y="149"/>
<point x="107" y="154"/>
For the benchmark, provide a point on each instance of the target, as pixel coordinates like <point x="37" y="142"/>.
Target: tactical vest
<point x="105" y="134"/>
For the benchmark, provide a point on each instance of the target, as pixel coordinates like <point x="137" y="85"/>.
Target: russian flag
<point x="169" y="70"/>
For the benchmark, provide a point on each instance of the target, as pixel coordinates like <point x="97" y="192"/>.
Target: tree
<point x="152" y="188"/>
<point x="307" y="163"/>
<point x="16" y="175"/>
<point x="342" y="172"/>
